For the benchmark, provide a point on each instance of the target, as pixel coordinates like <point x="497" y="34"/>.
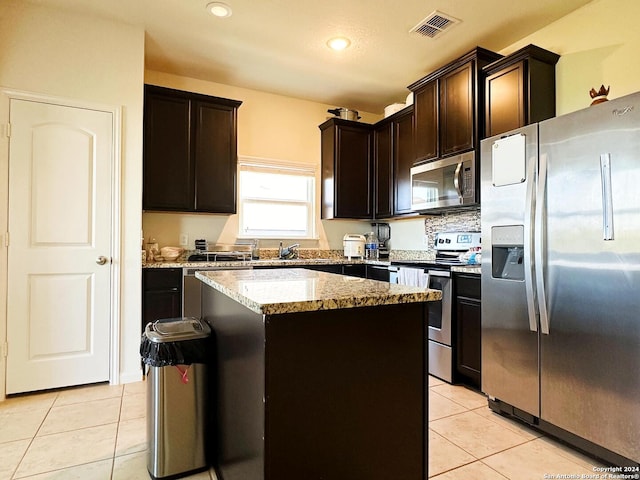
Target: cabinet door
<point x="505" y="100"/>
<point x="383" y="164"/>
<point x="403" y="161"/>
<point x="457" y="110"/>
<point x="161" y="294"/>
<point x="354" y="173"/>
<point x="378" y="272"/>
<point x="346" y="169"/>
<point x="168" y="167"/>
<point x="425" y="128"/>
<point x="468" y="358"/>
<point x="215" y="157"/>
<point x="357" y="270"/>
<point x="468" y="329"/>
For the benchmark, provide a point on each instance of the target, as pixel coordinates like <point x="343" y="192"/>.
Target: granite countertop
<point x="288" y="290"/>
<point x="265" y="263"/>
<point x="275" y="262"/>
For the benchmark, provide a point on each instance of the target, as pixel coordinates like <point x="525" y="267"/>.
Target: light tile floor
<point x="98" y="432"/>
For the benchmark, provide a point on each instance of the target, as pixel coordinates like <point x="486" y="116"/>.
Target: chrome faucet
<point x="288" y="252"/>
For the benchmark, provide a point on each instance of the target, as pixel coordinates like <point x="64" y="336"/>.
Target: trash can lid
<point x="175" y="329"/>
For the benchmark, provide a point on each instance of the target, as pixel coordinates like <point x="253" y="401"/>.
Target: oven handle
<point x="439" y="273"/>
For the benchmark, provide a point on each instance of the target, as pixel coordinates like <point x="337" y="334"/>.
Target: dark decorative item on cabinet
<point x="599" y="96"/>
<point x="447" y="103"/>
<point x="520" y="90"/>
<point x="161" y="294"/>
<point x="190" y="152"/>
<point x="347" y="174"/>
<point x="468" y="329"/>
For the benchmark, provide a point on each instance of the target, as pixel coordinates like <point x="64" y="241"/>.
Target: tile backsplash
<point x="467" y="220"/>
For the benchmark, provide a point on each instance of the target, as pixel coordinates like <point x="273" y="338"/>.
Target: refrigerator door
<point x="590" y="360"/>
<point x="509" y="321"/>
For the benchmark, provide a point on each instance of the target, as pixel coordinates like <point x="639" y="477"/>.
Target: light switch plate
<point x="184" y="239"/>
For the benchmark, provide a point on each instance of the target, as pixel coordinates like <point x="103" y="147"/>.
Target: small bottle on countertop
<point x="371" y="251"/>
<point x="153" y="250"/>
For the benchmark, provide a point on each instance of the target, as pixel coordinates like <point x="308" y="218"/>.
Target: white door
<point x="59" y="292"/>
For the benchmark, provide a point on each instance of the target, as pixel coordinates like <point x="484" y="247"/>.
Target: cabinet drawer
<point x="161" y="279"/>
<point x="468" y="286"/>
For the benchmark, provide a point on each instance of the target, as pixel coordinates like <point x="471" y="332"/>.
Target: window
<point x="276" y="199"/>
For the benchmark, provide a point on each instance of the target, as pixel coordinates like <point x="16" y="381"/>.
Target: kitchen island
<point x="319" y="376"/>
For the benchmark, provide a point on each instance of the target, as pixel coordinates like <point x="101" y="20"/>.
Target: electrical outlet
<point x="425" y="240"/>
<point x="184" y="239"/>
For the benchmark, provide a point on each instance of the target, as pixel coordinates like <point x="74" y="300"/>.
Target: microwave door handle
<point x="457" y="180"/>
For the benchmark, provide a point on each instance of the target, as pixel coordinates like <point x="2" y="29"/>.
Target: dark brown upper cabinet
<point x="393" y="158"/>
<point x="383" y="168"/>
<point x="347" y="172"/>
<point x="520" y="89"/>
<point x="449" y="117"/>
<point x="190" y="152"/>
<point x="403" y="159"/>
<point x="457" y="110"/>
<point x="426" y="106"/>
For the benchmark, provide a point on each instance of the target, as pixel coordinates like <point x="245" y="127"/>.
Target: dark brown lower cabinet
<point x="161" y="294"/>
<point x="468" y="329"/>
<point x="326" y="394"/>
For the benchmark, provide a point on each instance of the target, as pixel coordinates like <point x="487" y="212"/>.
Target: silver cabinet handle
<point x="101" y="260"/>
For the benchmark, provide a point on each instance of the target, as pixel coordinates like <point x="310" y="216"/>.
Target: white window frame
<point x="265" y="165"/>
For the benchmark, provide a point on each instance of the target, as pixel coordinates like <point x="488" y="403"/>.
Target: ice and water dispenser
<point x="507" y="252"/>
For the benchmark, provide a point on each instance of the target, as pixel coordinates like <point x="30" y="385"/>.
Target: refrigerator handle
<point x="528" y="245"/>
<point x="607" y="198"/>
<point x="457" y="181"/>
<point x="539" y="244"/>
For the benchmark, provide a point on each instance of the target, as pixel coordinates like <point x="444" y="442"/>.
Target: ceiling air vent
<point x="435" y="24"/>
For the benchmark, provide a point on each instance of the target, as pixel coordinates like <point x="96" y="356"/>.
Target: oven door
<point x="440" y="312"/>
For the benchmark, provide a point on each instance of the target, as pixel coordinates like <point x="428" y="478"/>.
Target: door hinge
<point x="5" y="349"/>
<point x="6" y="239"/>
<point x="7" y="130"/>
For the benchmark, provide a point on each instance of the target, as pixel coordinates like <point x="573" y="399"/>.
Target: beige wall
<point x="269" y="126"/>
<point x="50" y="52"/>
<point x="599" y="44"/>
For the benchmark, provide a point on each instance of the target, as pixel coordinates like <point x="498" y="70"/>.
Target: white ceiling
<point x="279" y="46"/>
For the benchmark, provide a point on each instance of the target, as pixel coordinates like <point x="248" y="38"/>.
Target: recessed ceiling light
<point x="219" y="9"/>
<point x="338" y="43"/>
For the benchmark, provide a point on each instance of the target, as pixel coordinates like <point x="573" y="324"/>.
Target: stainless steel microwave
<point x="449" y="182"/>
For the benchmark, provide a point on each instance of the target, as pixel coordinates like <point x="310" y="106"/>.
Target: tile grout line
<point x="115" y="443"/>
<point x="13" y="474"/>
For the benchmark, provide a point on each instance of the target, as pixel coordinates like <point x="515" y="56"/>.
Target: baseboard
<point x="131" y="377"/>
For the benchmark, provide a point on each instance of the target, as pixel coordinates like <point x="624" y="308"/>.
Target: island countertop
<point x="286" y="290"/>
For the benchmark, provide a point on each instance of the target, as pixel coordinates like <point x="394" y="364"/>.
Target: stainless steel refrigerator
<point x="561" y="277"/>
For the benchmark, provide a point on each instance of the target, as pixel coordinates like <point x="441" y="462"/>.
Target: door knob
<point x="101" y="260"/>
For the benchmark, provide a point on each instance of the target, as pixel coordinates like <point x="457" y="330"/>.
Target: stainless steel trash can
<point x="176" y="351"/>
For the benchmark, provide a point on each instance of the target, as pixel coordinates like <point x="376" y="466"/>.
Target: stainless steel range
<point x="436" y="274"/>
